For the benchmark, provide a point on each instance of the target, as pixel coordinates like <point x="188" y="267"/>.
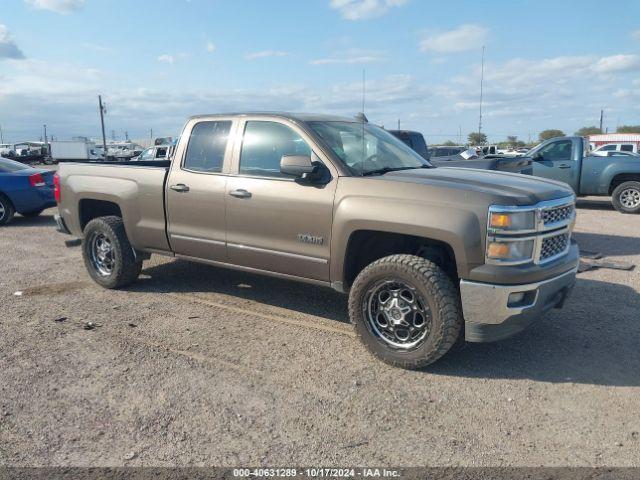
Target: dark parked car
<point x="25" y="190"/>
<point x="449" y="156"/>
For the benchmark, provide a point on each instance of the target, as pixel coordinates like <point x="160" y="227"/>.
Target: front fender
<point x="458" y="227"/>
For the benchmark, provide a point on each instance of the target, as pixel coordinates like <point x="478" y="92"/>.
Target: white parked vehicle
<point x="158" y="152"/>
<point x="73" y="150"/>
<point x="603" y="150"/>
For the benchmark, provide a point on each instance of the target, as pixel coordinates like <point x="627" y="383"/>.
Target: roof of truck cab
<point x="300" y="117"/>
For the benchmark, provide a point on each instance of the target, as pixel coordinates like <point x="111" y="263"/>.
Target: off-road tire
<point x="127" y="267"/>
<point x="7" y="211"/>
<point x="433" y="284"/>
<point x="617" y="193"/>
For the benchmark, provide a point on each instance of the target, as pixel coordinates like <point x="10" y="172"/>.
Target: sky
<point x="548" y="64"/>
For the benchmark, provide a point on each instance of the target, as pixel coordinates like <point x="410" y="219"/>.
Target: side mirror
<point x="297" y="165"/>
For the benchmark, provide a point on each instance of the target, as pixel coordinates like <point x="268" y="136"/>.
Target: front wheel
<point x="108" y="255"/>
<point x="626" y="197"/>
<point x="406" y="310"/>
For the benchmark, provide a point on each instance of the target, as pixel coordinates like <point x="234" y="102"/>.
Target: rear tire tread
<point x="128" y="268"/>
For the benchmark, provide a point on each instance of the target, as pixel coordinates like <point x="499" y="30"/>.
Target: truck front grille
<point x="553" y="246"/>
<point x="558" y="214"/>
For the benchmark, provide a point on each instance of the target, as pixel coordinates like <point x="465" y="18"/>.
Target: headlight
<point x="501" y="221"/>
<point x="515" y="251"/>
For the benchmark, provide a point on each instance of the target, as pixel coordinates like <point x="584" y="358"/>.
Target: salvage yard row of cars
<point x="427" y="255"/>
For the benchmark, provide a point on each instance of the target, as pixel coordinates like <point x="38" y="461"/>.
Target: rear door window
<point x="206" y="147"/>
<point x="626" y="148"/>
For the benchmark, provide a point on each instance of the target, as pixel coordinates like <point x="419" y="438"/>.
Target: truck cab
<point x="570" y="160"/>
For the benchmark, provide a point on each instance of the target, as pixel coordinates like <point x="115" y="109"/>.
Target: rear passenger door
<point x="196" y="191"/>
<point x="275" y="222"/>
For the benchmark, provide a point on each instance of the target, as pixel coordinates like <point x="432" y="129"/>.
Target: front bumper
<point x="494" y="312"/>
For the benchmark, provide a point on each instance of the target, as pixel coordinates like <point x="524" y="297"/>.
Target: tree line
<point x="476" y="138"/>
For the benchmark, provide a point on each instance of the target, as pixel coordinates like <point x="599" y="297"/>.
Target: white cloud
<point x="211" y="47"/>
<point x="8" y="47"/>
<point x="617" y="63"/>
<point x="58" y="6"/>
<point x="635" y="34"/>
<point x="170" y="58"/>
<point x="460" y="39"/>
<point x="364" y="9"/>
<point x="166" y="58"/>
<point x="265" y="54"/>
<point x="350" y="57"/>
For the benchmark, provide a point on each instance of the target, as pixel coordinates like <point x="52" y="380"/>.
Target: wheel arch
<point x="621" y="178"/>
<point x="366" y="246"/>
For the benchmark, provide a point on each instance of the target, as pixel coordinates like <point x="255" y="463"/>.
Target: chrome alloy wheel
<point x="630" y="197"/>
<point x="102" y="254"/>
<point x="396" y="313"/>
<point x="2" y="211"/>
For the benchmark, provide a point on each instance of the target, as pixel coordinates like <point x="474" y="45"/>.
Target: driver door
<point x="558" y="161"/>
<point x="275" y="222"/>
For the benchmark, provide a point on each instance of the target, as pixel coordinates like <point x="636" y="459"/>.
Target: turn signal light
<point x="37" y="180"/>
<point x="500" y="220"/>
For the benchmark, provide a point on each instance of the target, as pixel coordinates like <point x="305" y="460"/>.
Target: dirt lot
<point x="199" y="366"/>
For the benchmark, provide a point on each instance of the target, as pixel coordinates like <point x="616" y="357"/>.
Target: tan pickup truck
<point x="427" y="255"/>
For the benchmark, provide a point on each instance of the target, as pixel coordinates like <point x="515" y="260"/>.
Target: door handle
<point x="181" y="187"/>
<point x="240" y="193"/>
<point x="564" y="165"/>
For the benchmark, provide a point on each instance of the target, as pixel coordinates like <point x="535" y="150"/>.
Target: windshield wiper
<point x="382" y="171"/>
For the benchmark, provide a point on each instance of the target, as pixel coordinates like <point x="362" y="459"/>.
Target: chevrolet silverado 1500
<point x="426" y="254"/>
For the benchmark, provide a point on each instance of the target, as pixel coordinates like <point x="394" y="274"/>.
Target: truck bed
<point x="135" y="188"/>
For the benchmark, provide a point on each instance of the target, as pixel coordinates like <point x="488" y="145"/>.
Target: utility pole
<point x="151" y="133"/>
<point x="46" y="144"/>
<point x="481" y="86"/>
<point x="601" y="118"/>
<point x="102" y="112"/>
<point x="1" y="137"/>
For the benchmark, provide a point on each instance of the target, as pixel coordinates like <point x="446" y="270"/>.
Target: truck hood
<point x="505" y="188"/>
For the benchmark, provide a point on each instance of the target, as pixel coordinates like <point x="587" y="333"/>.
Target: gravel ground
<point x="195" y="365"/>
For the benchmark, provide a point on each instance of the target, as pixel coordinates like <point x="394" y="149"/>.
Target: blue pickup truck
<point x="569" y="160"/>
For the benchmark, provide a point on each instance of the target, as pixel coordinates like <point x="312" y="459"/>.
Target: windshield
<point x="378" y="151"/>
<point x="7" y="165"/>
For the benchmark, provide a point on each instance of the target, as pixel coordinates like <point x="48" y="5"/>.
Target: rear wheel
<point x="626" y="197"/>
<point x="406" y="310"/>
<point x="6" y="210"/>
<point x="108" y="255"/>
